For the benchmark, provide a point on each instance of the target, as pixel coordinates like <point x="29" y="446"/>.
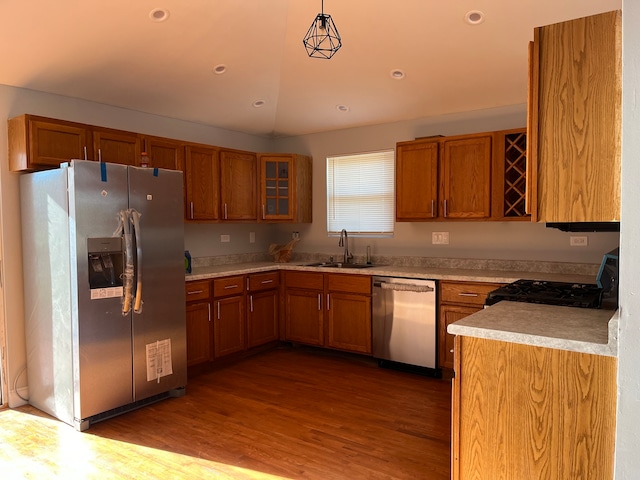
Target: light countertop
<point x="432" y="273"/>
<point x="586" y="330"/>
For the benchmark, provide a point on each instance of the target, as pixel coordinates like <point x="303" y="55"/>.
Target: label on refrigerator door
<point x="159" y="360"/>
<point x="109" y="292"/>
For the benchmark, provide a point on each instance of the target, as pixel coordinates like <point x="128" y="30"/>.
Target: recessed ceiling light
<point x="259" y="103"/>
<point x="474" y="17"/>
<point x="159" y="14"/>
<point x="220" y="69"/>
<point x="397" y="74"/>
<point x="342" y="108"/>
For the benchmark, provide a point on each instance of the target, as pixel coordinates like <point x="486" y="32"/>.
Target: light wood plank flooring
<point x="292" y="413"/>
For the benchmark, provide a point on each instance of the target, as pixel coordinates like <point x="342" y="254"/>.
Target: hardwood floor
<point x="293" y="413"/>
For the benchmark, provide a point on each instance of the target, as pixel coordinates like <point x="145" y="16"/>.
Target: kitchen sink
<point x="339" y="265"/>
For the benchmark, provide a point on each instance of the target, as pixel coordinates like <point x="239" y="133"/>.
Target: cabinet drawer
<point x="263" y="281"/>
<point x="467" y="293"/>
<point x="308" y="280"/>
<point x="197" y="290"/>
<point x="349" y="283"/>
<point x="223" y="287"/>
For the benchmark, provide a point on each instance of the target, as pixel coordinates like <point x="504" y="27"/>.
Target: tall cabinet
<point x="575" y="93"/>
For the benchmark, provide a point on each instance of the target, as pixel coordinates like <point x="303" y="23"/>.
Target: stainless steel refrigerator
<point x="103" y="258"/>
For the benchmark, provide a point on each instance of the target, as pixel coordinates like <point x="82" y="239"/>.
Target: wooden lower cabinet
<point x="304" y="314"/>
<point x="329" y="310"/>
<point x="229" y="317"/>
<point x="522" y="411"/>
<point x="456" y="301"/>
<point x="199" y="325"/>
<point x="263" y="299"/>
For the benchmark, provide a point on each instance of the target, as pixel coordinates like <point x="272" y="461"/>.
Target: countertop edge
<point x="431" y="273"/>
<point x="466" y="327"/>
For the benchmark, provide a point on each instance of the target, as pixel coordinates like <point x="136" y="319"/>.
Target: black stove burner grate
<point x="550" y="293"/>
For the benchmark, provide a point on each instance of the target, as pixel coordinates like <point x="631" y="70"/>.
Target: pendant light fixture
<point x="322" y="40"/>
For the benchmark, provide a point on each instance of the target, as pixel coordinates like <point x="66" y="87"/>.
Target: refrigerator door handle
<point x="135" y="219"/>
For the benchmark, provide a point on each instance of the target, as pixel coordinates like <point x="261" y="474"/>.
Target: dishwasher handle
<point x="404" y="287"/>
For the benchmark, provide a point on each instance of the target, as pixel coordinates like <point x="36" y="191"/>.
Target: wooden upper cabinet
<point x="416" y="180"/>
<point x="201" y="183"/>
<point x="466" y="178"/>
<point x="285" y="188"/>
<point x="575" y="120"/>
<point x="36" y="142"/>
<point x="238" y="185"/>
<point x="116" y="146"/>
<point x="164" y="153"/>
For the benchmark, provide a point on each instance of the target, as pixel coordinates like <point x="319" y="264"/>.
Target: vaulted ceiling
<point x="117" y="52"/>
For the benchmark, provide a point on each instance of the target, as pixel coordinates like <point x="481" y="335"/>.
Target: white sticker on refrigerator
<point x="110" y="292"/>
<point x="159" y="360"/>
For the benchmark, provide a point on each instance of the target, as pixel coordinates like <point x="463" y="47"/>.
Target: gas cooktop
<point x="551" y="293"/>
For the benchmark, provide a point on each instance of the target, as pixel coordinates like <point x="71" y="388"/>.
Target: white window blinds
<point x="360" y="193"/>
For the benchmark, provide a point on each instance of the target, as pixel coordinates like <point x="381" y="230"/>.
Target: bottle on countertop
<point x="144" y="159"/>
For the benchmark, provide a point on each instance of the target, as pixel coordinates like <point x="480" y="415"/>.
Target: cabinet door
<point x="575" y="120"/>
<point x="262" y="317"/>
<point x="466" y="178"/>
<point x="349" y="322"/>
<point x="115" y="146"/>
<point x="238" y="185"/>
<point x="304" y="316"/>
<point x="198" y="333"/>
<point x="532" y="412"/>
<point x="37" y="142"/>
<point x="448" y="315"/>
<point x="164" y="153"/>
<point x="201" y="183"/>
<point x="229" y="335"/>
<point x="416" y="181"/>
<point x="276" y="187"/>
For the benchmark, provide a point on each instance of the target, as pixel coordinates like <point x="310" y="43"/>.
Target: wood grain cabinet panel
<point x="456" y="301"/>
<point x="164" y="153"/>
<point x="263" y="299"/>
<point x="466" y="178"/>
<point x="201" y="181"/>
<point x="36" y="142"/>
<point x="285" y="188"/>
<point x="238" y="185"/>
<point x="199" y="322"/>
<point x="116" y="146"/>
<point x="531" y="412"/>
<point x="416" y="180"/>
<point x="575" y="104"/>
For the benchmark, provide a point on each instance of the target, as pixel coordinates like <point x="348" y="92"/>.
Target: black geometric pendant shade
<point x="322" y="40"/>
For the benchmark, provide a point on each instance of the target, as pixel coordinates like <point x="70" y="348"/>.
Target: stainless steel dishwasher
<point x="404" y="321"/>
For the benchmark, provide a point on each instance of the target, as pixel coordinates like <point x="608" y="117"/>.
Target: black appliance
<point x="551" y="293"/>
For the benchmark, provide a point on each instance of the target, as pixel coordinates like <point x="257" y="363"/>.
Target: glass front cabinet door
<point x="285" y="187"/>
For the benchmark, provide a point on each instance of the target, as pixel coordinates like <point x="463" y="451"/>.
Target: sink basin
<point x="338" y="265"/>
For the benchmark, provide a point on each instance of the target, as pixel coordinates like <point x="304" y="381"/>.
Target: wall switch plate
<point x="225" y="238"/>
<point x="440" y="238"/>
<point x="578" y="241"/>
<point x="252" y="237"/>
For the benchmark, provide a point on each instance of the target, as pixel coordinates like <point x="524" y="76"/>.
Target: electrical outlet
<point x="252" y="237"/>
<point x="225" y="238"/>
<point x="578" y="241"/>
<point x="295" y="235"/>
<point x="440" y="238"/>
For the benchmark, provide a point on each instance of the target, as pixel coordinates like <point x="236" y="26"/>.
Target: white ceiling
<point x="112" y="52"/>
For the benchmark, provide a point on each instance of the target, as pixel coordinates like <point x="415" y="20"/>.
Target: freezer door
<point x="159" y="331"/>
<point x="101" y="334"/>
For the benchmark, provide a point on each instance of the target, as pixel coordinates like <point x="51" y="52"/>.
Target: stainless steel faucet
<point x="344" y="242"/>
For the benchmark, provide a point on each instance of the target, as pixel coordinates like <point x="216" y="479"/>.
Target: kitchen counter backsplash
<point x="413" y="261"/>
